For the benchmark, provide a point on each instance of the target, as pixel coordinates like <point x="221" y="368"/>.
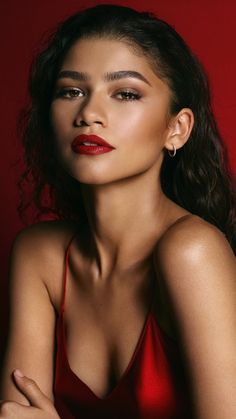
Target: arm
<point x="199" y="271"/>
<point x="32" y="320"/>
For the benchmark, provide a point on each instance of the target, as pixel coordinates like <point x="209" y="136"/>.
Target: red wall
<point x="207" y="25"/>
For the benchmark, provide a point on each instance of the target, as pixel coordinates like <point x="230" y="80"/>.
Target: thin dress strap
<point x="62" y="309"/>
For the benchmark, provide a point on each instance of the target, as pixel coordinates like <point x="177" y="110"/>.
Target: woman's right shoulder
<point x="47" y="237"/>
<point x="38" y="254"/>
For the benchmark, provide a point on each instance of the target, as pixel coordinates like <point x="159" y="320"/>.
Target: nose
<point x="91" y="111"/>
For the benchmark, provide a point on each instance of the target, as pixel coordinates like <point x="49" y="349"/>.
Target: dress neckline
<point x="137" y="346"/>
<point x="126" y="370"/>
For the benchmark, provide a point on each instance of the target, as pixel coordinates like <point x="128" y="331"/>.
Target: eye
<point x="128" y="95"/>
<point x="69" y="93"/>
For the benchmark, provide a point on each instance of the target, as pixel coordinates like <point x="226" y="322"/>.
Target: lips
<point x="90" y="144"/>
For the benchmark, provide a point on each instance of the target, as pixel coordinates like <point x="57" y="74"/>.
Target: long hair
<point x="198" y="178"/>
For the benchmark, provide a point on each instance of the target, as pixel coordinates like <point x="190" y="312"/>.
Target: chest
<point x="147" y="387"/>
<point x="103" y="328"/>
<point x="112" y="358"/>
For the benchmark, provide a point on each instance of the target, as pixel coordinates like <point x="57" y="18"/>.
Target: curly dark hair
<point x="198" y="178"/>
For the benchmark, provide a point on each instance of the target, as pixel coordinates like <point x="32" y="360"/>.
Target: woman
<point x="137" y="277"/>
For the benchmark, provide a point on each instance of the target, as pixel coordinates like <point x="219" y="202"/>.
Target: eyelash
<point x="72" y="93"/>
<point x="128" y="95"/>
<point x="69" y="93"/>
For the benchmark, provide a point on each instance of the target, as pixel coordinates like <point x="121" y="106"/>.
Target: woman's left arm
<point x="199" y="270"/>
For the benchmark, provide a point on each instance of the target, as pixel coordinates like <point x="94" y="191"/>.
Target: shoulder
<point x="43" y="240"/>
<point x="45" y="234"/>
<point x="192" y="229"/>
<point x="192" y="245"/>
<point x="196" y="269"/>
<point x="38" y="255"/>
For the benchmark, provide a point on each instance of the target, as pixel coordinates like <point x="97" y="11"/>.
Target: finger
<point x="14" y="410"/>
<point x="31" y="391"/>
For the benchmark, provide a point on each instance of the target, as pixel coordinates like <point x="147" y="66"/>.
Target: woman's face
<point x="105" y="89"/>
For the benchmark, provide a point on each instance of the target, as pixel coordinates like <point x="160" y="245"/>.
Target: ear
<point x="179" y="129"/>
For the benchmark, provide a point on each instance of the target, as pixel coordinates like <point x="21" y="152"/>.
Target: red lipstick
<point x="90" y="144"/>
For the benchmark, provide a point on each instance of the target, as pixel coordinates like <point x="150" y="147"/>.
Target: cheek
<point x="60" y="117"/>
<point x="145" y="127"/>
<point x="59" y="126"/>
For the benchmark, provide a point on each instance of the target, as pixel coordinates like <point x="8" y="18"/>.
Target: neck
<point x="125" y="219"/>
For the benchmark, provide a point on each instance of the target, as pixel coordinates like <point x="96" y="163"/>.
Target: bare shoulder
<point x="44" y="236"/>
<point x="39" y="251"/>
<point x="193" y="242"/>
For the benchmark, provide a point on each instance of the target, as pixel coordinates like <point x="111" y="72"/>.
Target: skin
<point x="110" y="271"/>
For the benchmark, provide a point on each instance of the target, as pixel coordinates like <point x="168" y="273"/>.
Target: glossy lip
<point x="101" y="145"/>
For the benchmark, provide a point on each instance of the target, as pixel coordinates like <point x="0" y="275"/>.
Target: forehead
<point x="102" y="54"/>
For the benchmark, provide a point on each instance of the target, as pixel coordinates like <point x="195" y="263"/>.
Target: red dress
<point x="153" y="385"/>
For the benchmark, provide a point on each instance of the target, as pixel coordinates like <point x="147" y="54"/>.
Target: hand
<point x="41" y="407"/>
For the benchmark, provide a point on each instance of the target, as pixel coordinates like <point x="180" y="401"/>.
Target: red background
<point x="208" y="26"/>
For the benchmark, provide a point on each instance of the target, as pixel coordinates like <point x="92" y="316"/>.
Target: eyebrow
<point x="112" y="76"/>
<point x="117" y="75"/>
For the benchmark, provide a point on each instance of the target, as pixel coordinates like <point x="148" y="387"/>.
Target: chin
<point x="102" y="175"/>
<point x="91" y="179"/>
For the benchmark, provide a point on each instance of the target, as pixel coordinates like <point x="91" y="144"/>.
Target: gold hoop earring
<point x="173" y="152"/>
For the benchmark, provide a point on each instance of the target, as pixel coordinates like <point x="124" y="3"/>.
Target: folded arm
<point x="32" y="321"/>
